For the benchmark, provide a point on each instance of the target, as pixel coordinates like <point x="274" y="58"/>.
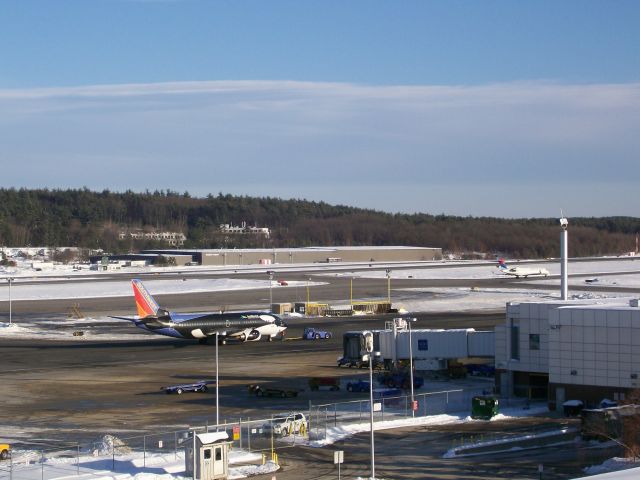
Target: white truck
<point x="286" y="424"/>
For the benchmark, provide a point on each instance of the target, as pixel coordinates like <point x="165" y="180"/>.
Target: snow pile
<point x="108" y="445"/>
<point x="612" y="465"/>
<point x="250" y="470"/>
<point x="12" y="329"/>
<point x="340" y="432"/>
<point x="503" y="444"/>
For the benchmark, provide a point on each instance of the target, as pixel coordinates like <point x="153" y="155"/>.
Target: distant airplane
<point x="521" y="271"/>
<point x="241" y="326"/>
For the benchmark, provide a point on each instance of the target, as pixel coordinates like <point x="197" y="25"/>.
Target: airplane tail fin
<point x="145" y="303"/>
<point x="502" y="265"/>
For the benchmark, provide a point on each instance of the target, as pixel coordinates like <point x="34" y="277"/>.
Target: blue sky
<point x="513" y="109"/>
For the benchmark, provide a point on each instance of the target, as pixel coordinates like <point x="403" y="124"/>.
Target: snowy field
<point x="627" y="272"/>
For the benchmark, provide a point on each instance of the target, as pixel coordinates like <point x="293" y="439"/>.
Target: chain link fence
<point x="118" y="454"/>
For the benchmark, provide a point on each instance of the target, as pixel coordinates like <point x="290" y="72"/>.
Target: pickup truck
<point x="5" y="451"/>
<point x="313" y="334"/>
<point x="200" y="386"/>
<point x="259" y="391"/>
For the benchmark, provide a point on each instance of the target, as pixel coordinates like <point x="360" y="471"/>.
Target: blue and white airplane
<point x="521" y="271"/>
<point x="241" y="326"/>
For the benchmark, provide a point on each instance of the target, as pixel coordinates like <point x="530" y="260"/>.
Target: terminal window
<point x="515" y="340"/>
<point x="534" y="341"/>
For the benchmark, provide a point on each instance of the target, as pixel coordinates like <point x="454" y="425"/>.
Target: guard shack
<point x="211" y="456"/>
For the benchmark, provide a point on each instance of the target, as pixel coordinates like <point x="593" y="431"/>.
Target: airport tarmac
<point x="56" y="392"/>
<point x="59" y="391"/>
<point x="72" y="387"/>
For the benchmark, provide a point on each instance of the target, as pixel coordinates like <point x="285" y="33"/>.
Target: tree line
<point x="88" y="219"/>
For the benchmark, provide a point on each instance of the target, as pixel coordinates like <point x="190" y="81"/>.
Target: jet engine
<point x="254" y="336"/>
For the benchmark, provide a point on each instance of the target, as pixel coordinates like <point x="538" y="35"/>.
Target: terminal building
<point x="569" y="350"/>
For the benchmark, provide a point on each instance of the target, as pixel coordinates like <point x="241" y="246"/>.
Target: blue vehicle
<point x="200" y="386"/>
<point x="388" y="396"/>
<point x="483" y="370"/>
<point x="358" y="386"/>
<point x="311" y="333"/>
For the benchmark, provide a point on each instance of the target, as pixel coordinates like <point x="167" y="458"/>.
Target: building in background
<point x="271" y="256"/>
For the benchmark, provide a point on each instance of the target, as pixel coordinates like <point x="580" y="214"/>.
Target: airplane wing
<point x="130" y="319"/>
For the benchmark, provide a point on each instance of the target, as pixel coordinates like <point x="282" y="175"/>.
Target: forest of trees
<point x="83" y="218"/>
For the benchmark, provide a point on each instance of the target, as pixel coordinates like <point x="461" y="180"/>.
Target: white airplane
<point x="521" y="271"/>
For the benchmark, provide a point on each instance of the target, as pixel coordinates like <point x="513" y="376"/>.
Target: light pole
<point x="413" y="402"/>
<point x="351" y="292"/>
<point x="368" y="346"/>
<point x="306" y="309"/>
<point x="10" y="280"/>
<point x="217" y="389"/>
<point x="388" y="271"/>
<point x="564" y="259"/>
<point x="270" y="273"/>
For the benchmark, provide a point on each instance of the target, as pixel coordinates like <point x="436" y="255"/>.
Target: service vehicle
<point x="311" y="333"/>
<point x="260" y="391"/>
<point x="5" y="451"/>
<point x="354" y="353"/>
<point x="200" y="386"/>
<point x="400" y="380"/>
<point x="286" y="424"/>
<point x="358" y="386"/>
<point x="480" y="370"/>
<point x="324" y="383"/>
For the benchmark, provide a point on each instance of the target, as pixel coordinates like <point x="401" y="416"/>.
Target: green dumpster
<point x="484" y="407"/>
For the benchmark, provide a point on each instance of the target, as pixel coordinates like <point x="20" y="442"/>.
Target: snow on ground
<point x="628" y="270"/>
<point x="614" y="468"/>
<point x="478" y="299"/>
<point x="99" y="464"/>
<point x="135" y="465"/>
<point x="340" y="432"/>
<point x="47" y="291"/>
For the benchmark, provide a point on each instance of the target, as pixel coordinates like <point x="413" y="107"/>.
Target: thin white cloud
<point x="336" y="141"/>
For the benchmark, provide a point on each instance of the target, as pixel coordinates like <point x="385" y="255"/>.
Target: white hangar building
<point x="565" y="350"/>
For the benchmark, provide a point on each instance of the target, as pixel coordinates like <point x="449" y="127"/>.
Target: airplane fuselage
<point x="244" y="326"/>
<point x="526" y="272"/>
